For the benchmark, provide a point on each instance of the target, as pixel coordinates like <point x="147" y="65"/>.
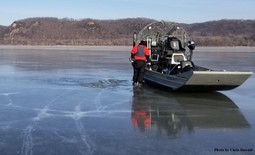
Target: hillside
<point x="223" y="32"/>
<point x="53" y="31"/>
<point x="2" y="29"/>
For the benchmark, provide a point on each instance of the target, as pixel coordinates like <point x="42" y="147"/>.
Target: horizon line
<point x="80" y="19"/>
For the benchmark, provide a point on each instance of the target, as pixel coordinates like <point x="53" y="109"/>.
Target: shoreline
<point x="123" y="48"/>
<point x="67" y="47"/>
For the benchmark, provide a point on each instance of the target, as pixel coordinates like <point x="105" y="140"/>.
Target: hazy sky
<point x="185" y="11"/>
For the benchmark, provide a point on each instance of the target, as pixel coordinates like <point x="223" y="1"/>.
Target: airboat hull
<point x="197" y="80"/>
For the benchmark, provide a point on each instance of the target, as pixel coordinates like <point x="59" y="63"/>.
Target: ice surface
<point x="82" y="102"/>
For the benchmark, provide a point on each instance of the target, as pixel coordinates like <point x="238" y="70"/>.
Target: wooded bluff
<point x="54" y="31"/>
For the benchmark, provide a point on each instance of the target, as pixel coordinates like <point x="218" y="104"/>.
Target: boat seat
<point x="185" y="64"/>
<point x="177" y="58"/>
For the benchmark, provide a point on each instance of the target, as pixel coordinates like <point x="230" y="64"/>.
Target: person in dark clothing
<point x="140" y="54"/>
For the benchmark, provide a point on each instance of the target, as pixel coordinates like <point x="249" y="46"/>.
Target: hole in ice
<point x="109" y="83"/>
<point x="105" y="83"/>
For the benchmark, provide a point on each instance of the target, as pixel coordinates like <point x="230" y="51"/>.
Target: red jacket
<point x="140" y="52"/>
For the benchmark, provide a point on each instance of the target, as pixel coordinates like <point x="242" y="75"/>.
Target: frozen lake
<point x="79" y="101"/>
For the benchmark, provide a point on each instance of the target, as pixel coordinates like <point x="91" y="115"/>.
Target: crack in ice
<point x="27" y="146"/>
<point x="10" y="103"/>
<point x="90" y="146"/>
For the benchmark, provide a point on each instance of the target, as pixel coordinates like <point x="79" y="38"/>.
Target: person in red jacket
<point x="140" y="54"/>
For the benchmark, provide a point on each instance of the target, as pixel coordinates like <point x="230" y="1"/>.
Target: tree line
<point x="54" y="31"/>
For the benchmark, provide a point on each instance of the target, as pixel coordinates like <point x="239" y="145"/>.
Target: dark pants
<point x="139" y="68"/>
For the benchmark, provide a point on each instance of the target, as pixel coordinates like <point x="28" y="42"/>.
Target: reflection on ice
<point x="174" y="114"/>
<point x="75" y="116"/>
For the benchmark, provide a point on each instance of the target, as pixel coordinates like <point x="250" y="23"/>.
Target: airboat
<point x="171" y="65"/>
